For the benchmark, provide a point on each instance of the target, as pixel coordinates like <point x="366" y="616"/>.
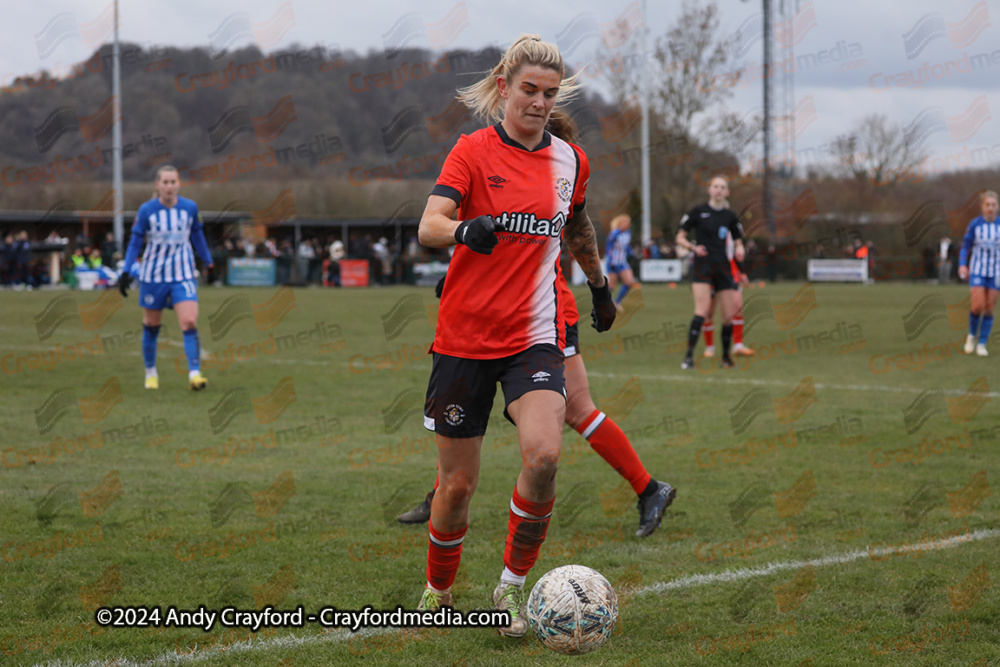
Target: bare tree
<point x="691" y="73"/>
<point x="877" y="150"/>
<point x="691" y="70"/>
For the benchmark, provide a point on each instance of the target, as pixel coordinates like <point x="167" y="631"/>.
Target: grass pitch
<point x="834" y="507"/>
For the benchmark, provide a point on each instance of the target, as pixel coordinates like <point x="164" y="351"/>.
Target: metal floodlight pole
<point x="768" y="121"/>
<point x="116" y="146"/>
<point x="647" y="228"/>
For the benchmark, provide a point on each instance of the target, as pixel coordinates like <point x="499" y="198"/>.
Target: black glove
<point x="439" y="287"/>
<point x="124" y="281"/>
<point x="604" y="312"/>
<point x="479" y="234"/>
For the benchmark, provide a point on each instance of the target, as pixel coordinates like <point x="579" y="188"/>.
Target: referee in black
<point x="718" y="240"/>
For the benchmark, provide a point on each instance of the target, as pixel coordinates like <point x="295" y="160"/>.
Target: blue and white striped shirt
<point x="619" y="247"/>
<point x="168" y="233"/>
<point x="982" y="238"/>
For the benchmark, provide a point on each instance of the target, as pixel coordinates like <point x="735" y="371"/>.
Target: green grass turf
<point x="145" y="537"/>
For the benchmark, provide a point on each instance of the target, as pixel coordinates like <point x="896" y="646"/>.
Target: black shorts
<point x="717" y="274"/>
<point x="572" y="340"/>
<point x="461" y="391"/>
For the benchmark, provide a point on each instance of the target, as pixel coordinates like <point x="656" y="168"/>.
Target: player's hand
<point x="124" y="281"/>
<point x="701" y="250"/>
<point x="963" y="273"/>
<point x="604" y="312"/>
<point x="479" y="234"/>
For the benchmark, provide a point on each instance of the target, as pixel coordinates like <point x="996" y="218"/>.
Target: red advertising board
<point x="354" y="272"/>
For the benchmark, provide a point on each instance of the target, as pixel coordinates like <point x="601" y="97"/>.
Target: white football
<point x="572" y="609"/>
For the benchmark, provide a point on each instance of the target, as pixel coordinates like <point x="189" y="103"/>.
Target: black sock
<point x="650" y="489"/>
<point x="695" y="331"/>
<point x="727" y="339"/>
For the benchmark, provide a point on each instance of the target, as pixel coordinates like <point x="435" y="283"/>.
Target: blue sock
<point x="984" y="333"/>
<point x="149" y="336"/>
<point x="973" y="324"/>
<point x="192" y="347"/>
<point x="622" y="291"/>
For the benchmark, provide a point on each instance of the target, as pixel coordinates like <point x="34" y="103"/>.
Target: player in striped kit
<point x="514" y="189"/>
<point x="168" y="225"/>
<point x="618" y="248"/>
<point x="600" y="431"/>
<point x="979" y="263"/>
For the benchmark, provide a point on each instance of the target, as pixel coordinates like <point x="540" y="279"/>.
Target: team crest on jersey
<point x="454" y="414"/>
<point x="564" y="189"/>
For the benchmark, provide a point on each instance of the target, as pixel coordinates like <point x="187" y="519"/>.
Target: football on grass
<point x="572" y="609"/>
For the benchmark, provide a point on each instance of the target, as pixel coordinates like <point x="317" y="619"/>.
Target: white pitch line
<point x="694" y="580"/>
<point x="691" y="581"/>
<point x="174" y="658"/>
<point x="783" y="383"/>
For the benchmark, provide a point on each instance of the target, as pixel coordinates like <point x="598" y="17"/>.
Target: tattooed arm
<point x="581" y="239"/>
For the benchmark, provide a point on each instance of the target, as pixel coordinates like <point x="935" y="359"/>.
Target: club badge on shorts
<point x="454" y="414"/>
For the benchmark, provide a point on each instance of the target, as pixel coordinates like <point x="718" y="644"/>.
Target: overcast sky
<point x="852" y="55"/>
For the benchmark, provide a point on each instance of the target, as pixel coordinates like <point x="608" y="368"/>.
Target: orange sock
<point x="738" y="328"/>
<point x="526" y="528"/>
<point x="708" y="328"/>
<point x="608" y="440"/>
<point x="444" y="554"/>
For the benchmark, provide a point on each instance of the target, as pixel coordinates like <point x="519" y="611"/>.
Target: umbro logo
<point x="706" y="215"/>
<point x="541" y="376"/>
<point x="495" y="181"/>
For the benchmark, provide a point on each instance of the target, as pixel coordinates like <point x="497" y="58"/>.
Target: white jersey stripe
<point x="169" y="217"/>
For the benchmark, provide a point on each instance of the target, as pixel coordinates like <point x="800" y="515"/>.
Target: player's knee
<point x="458" y="490"/>
<point x="541" y="467"/>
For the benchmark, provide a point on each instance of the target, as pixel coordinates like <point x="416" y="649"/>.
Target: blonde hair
<point x="987" y="195"/>
<point x="619" y="220"/>
<point x="483" y="98"/>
